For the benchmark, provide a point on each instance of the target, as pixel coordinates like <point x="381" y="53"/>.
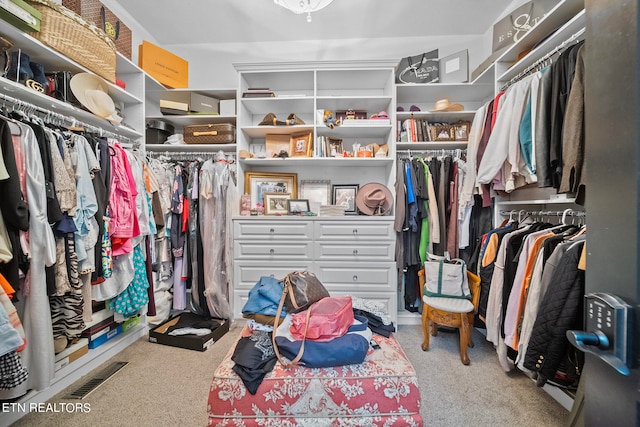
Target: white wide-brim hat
<point x="93" y="94"/>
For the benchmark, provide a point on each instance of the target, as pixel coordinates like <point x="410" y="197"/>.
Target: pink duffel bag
<point x="324" y="320"/>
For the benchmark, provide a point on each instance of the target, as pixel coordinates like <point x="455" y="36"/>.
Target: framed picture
<point x="300" y="144"/>
<point x="335" y="147"/>
<point x="276" y="203"/>
<point x="276" y="143"/>
<point x="345" y="195"/>
<point x="443" y="133"/>
<point x="461" y="131"/>
<point x="317" y="192"/>
<point x="256" y="184"/>
<point x="298" y="206"/>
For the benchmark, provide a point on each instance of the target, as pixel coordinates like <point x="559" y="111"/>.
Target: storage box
<point x="130" y="323"/>
<point x="160" y="335"/>
<point x="72" y="36"/>
<point x="195" y="102"/>
<point x="227" y="107"/>
<point x="20" y="15"/>
<point x="167" y="68"/>
<point x="158" y="131"/>
<point x="221" y="133"/>
<point x="105" y="337"/>
<point x="99" y="15"/>
<point x="100" y="328"/>
<point x="71" y="353"/>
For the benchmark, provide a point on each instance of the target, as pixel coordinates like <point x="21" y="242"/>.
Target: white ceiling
<point x="176" y="22"/>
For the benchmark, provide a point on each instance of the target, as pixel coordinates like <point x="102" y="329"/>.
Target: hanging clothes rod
<point x="408" y="153"/>
<point x="52" y="116"/>
<point x="192" y="155"/>
<point x="534" y="67"/>
<point x="560" y="214"/>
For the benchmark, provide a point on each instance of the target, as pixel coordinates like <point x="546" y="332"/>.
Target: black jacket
<point x="560" y="310"/>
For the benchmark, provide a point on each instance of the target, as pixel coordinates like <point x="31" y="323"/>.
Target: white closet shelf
<point x="431" y="145"/>
<point x="555" y="18"/>
<point x="437" y="116"/>
<point x="23" y="93"/>
<point x="358" y="133"/>
<point x="192" y="119"/>
<point x="262" y="131"/>
<point x="301" y="162"/>
<point x="573" y="26"/>
<point x="537" y="202"/>
<point x="277" y="105"/>
<point x="421" y="93"/>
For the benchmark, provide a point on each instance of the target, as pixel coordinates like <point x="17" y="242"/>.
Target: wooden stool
<point x="452" y="312"/>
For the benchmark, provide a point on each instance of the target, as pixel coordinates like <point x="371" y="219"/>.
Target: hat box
<point x="158" y="131"/>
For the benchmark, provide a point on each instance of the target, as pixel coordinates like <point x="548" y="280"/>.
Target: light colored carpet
<point x="168" y="386"/>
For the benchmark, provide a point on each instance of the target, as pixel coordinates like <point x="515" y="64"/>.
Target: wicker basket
<point x="72" y="36"/>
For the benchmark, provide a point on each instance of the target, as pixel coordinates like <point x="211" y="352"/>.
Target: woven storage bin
<point x="72" y="36"/>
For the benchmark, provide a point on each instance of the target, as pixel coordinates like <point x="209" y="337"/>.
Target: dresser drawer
<point x="247" y="273"/>
<point x="341" y="251"/>
<point x="257" y="249"/>
<point x="355" y="230"/>
<point x="360" y="276"/>
<point x="273" y="230"/>
<point x="240" y="298"/>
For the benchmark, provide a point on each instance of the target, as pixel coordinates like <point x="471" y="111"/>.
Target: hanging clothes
<point x="213" y="184"/>
<point x="34" y="308"/>
<point x="560" y="310"/>
<point x="14" y="210"/>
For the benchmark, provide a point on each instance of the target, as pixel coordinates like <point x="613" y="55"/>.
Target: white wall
<point x="211" y="65"/>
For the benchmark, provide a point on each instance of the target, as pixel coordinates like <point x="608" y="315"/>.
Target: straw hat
<point x="93" y="94"/>
<point x="374" y="199"/>
<point x="446" y="105"/>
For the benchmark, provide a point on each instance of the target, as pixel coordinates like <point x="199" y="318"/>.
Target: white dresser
<point x="350" y="255"/>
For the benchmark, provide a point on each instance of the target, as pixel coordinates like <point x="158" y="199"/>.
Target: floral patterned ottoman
<point x="381" y="391"/>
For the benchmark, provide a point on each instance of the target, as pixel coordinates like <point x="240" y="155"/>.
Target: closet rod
<point x="564" y="214"/>
<point x="543" y="59"/>
<point x="191" y="155"/>
<point x="455" y="152"/>
<point x="18" y="103"/>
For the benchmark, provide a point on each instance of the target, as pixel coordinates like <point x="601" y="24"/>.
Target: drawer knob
<point x="355" y="231"/>
<point x="271" y="230"/>
<point x="355" y="278"/>
<point x="355" y="252"/>
<point x="272" y="251"/>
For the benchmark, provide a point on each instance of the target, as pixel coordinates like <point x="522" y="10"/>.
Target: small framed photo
<point x="335" y="148"/>
<point x="461" y="131"/>
<point x="345" y="195"/>
<point x="276" y="203"/>
<point x="298" y="206"/>
<point x="444" y="133"/>
<point x="301" y="144"/>
<point x="317" y="192"/>
<point x="257" y="184"/>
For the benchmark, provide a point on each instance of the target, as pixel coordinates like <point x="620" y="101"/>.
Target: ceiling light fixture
<point x="303" y="6"/>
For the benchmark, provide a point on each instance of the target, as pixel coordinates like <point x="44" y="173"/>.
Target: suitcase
<point x="222" y="133"/>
